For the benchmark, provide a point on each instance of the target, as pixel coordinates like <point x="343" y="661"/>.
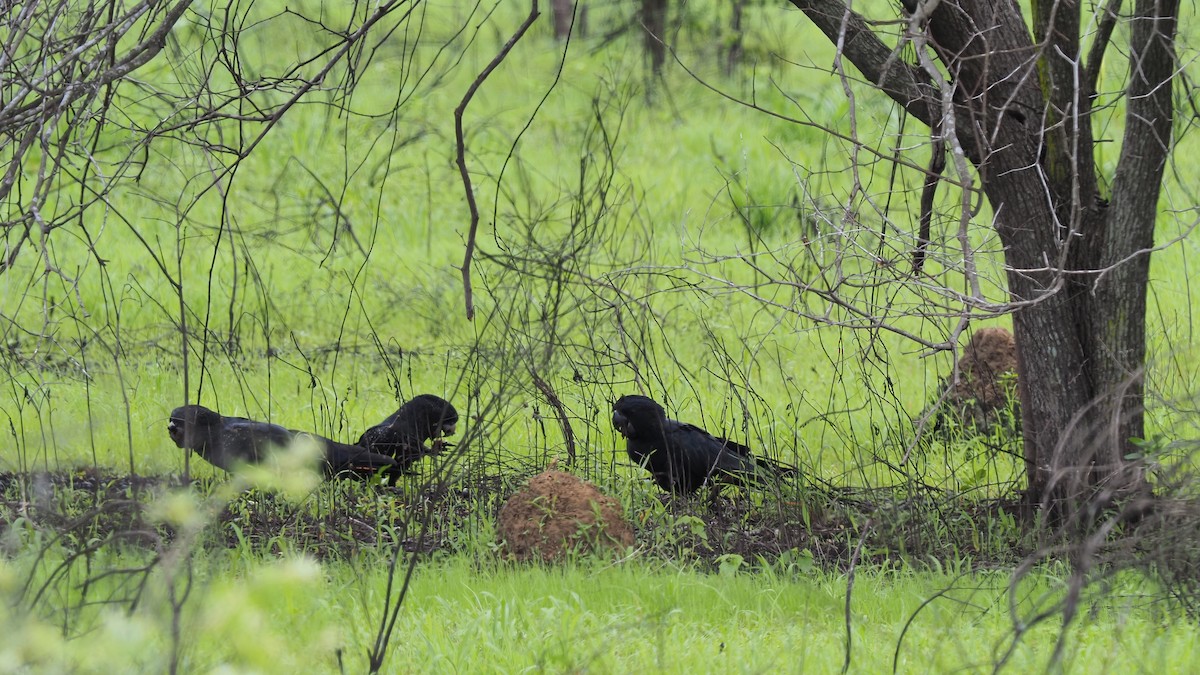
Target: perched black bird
<point x="682" y="457"/>
<point x="403" y="434"/>
<point x="226" y="441"/>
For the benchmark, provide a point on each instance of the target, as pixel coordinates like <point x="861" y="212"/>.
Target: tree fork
<point x="1077" y="264"/>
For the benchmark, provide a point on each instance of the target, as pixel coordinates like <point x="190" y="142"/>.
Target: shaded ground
<point x="93" y="507"/>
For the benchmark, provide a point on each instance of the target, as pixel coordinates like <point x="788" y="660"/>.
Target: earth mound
<point x="989" y="355"/>
<point x="558" y="512"/>
<point x="985" y="386"/>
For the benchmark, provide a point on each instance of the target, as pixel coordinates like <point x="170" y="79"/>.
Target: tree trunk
<point x="654" y="23"/>
<point x="1119" y="317"/>
<point x="1078" y="266"/>
<point x="734" y="44"/>
<point x="562" y="11"/>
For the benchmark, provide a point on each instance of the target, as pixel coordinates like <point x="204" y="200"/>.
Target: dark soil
<point x="335" y="521"/>
<point x="92" y="508"/>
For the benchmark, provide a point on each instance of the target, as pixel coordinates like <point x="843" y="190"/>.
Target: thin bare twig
<point x="461" y="152"/>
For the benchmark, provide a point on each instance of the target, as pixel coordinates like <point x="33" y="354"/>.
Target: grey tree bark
<point x="1077" y="255"/>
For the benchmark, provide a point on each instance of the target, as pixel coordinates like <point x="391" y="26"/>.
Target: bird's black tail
<point x="760" y="471"/>
<point x="766" y="473"/>
<point x="778" y="468"/>
<point x="350" y="459"/>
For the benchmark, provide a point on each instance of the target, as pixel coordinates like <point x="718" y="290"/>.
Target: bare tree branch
<point x="1100" y="41"/>
<point x="461" y="153"/>
<point x="906" y="84"/>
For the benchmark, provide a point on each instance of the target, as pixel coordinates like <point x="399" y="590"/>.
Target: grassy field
<point x="252" y="616"/>
<point x="321" y="286"/>
<point x="638" y="234"/>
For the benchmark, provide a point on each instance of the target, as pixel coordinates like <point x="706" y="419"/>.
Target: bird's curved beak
<point x="175" y="431"/>
<point x="622" y="425"/>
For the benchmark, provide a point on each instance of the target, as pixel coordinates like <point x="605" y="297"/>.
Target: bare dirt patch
<point x="983" y="394"/>
<point x="990" y="354"/>
<point x="556" y="513"/>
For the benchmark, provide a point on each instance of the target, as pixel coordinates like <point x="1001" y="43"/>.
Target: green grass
<point x="293" y="614"/>
<point x="285" y="277"/>
<point x="324" y="318"/>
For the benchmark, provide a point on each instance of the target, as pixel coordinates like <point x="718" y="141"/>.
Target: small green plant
<point x="729" y="564"/>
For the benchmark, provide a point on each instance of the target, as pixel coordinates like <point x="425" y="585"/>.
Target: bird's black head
<point x="633" y="414"/>
<point x="438" y="417"/>
<point x="190" y="425"/>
